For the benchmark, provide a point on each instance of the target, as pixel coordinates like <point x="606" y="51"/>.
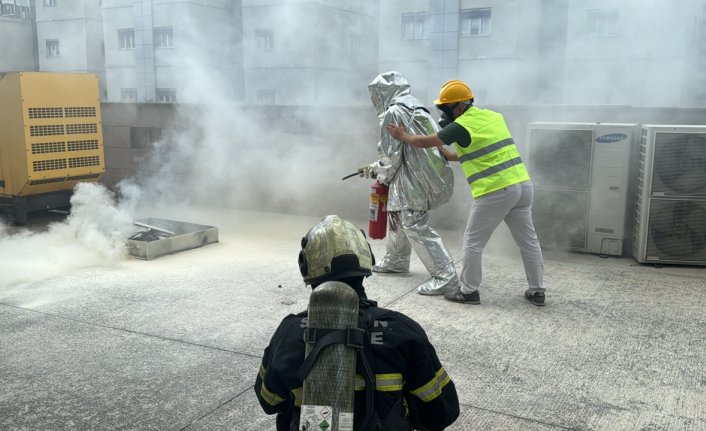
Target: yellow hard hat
<point x="454" y="91"/>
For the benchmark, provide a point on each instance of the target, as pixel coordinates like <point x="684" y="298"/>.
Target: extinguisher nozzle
<point x="349" y="175"/>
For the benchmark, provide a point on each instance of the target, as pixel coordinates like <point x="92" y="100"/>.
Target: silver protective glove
<point x="367" y="171"/>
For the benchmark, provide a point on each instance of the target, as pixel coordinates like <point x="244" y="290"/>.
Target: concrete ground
<point x="175" y="343"/>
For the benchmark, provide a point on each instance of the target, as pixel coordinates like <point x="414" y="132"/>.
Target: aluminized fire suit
<point x="419" y="180"/>
<point x="413" y="390"/>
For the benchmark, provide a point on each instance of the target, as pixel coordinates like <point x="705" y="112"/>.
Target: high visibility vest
<point x="492" y="161"/>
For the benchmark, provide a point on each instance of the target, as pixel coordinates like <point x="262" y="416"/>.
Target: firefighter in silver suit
<point x="419" y="180"/>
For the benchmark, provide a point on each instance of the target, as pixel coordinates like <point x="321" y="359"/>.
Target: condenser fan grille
<point x="561" y="158"/>
<point x="677" y="230"/>
<point x="680" y="164"/>
<point x="560" y="217"/>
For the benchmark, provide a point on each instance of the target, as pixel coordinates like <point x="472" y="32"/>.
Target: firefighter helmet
<point x="334" y="249"/>
<point x="454" y="91"/>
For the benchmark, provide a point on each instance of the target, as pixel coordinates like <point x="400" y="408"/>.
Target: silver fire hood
<point x="161" y="236"/>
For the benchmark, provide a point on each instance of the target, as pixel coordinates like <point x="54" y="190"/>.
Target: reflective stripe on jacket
<point x="492" y="160"/>
<point x="410" y="381"/>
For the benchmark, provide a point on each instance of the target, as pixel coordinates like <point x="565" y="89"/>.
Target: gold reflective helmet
<point x="454" y="91"/>
<point x="334" y="249"/>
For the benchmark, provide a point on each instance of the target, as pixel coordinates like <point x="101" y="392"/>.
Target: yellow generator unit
<point x="50" y="139"/>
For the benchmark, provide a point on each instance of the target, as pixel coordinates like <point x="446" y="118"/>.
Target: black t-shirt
<point x="455" y="132"/>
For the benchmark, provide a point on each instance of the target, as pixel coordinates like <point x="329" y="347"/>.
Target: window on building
<point x="143" y="137"/>
<point x="52" y="47"/>
<point x="265" y="39"/>
<point x="356" y="46"/>
<point x="7" y="9"/>
<point x="126" y="38"/>
<point x="163" y="37"/>
<point x="475" y="22"/>
<point x="10" y="8"/>
<point x="50" y="2"/>
<point x="266" y="96"/>
<point x="128" y="94"/>
<point x="603" y="22"/>
<point x="415" y="26"/>
<point x="166" y="95"/>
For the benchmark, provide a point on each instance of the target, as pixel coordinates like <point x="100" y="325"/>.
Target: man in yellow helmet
<point x="499" y="182"/>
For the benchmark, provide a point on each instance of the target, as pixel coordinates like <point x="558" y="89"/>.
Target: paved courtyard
<point x="175" y="343"/>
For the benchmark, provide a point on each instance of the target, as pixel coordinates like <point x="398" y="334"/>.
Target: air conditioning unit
<point x="670" y="216"/>
<point x="584" y="186"/>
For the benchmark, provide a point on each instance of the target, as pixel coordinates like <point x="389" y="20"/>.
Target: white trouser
<point x="512" y="204"/>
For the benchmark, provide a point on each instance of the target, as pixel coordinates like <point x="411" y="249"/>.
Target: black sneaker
<point x="458" y="296"/>
<point x="536" y="298"/>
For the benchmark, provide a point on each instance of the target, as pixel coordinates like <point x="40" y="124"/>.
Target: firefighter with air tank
<point x="412" y="390"/>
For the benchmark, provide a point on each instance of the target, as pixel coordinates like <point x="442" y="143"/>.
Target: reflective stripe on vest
<point x="487" y="150"/>
<point x="492" y="161"/>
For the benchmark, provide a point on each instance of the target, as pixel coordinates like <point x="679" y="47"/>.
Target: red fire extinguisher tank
<point x="377" y="223"/>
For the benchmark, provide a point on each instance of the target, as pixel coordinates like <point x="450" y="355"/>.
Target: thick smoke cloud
<point x="92" y="235"/>
<point x="291" y="159"/>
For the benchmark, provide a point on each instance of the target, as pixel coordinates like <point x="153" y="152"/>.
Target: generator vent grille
<point x="48" y="165"/>
<point x="48" y="130"/>
<point x="59" y="180"/>
<point x="78" y="129"/>
<point x="80" y="111"/>
<point x="48" y="147"/>
<point x="79" y="162"/>
<point x="45" y="113"/>
<point x="91" y="144"/>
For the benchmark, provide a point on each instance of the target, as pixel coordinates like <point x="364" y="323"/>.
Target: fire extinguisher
<point x="377" y="223"/>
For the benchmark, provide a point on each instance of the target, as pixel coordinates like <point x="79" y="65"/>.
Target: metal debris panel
<point x="162" y="236"/>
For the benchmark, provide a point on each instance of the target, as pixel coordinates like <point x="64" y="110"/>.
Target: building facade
<point x="629" y="54"/>
<point x="520" y="52"/>
<point x="70" y="37"/>
<point x="487" y="43"/>
<point x="309" y="52"/>
<point x="170" y="50"/>
<point x="325" y="52"/>
<point x="17" y="26"/>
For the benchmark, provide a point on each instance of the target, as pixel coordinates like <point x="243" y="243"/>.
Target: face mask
<point x="444" y="120"/>
<point x="447" y="111"/>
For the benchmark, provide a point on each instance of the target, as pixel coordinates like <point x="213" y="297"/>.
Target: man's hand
<point x="417" y="141"/>
<point x="397" y="132"/>
<point x="367" y="171"/>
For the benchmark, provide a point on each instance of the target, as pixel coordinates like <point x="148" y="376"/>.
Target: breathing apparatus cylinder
<point x="377" y="223"/>
<point x="329" y="388"/>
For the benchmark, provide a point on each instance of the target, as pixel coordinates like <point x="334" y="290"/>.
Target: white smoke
<point x="92" y="235"/>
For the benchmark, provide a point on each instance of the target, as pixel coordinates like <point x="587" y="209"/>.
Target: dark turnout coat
<point x="413" y="390"/>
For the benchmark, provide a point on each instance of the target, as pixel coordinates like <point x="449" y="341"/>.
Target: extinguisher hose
<point x="349" y="175"/>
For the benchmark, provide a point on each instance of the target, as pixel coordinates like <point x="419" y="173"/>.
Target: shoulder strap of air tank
<point x="354" y="338"/>
<point x="369" y="313"/>
<point x="424" y="108"/>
